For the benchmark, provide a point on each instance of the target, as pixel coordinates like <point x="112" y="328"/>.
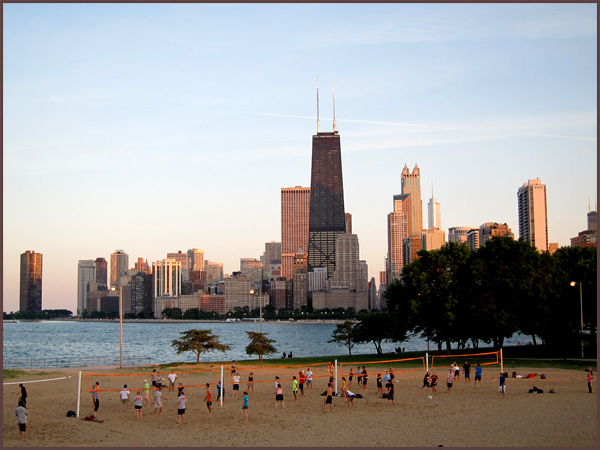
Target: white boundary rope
<point x="37" y="381"/>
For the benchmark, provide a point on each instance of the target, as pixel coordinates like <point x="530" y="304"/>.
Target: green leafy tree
<point x="260" y="345"/>
<point x="376" y="328"/>
<point x="198" y="342"/>
<point x="346" y="333"/>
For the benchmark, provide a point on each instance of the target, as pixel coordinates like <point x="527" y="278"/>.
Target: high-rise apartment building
<point x="214" y="272"/>
<point x="459" y="234"/>
<point x="411" y="184"/>
<point x="86" y="274"/>
<point x="489" y="230"/>
<point x="167" y="278"/>
<point x="433" y="239"/>
<point x="101" y="271"/>
<point x="119" y="264"/>
<point x="30" y="298"/>
<point x="327" y="214"/>
<point x="237" y="292"/>
<point x="295" y="208"/>
<point x="533" y="215"/>
<point x="398" y="222"/>
<point x="184" y="259"/>
<point x="473" y="238"/>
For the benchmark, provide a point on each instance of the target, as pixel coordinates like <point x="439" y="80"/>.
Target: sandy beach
<point x="464" y="417"/>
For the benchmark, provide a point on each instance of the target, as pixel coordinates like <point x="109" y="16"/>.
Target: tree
<point x="375" y="328"/>
<point x="259" y="344"/>
<point x="345" y="333"/>
<point x="198" y="341"/>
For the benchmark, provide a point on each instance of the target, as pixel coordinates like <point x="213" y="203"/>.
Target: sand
<point x="465" y="417"/>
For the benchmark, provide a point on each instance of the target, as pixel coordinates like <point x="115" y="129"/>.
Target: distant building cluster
<point x="315" y="265"/>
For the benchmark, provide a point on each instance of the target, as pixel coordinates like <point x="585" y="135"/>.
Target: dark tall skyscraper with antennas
<point x="327" y="218"/>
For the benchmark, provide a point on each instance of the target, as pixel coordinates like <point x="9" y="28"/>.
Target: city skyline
<point x="132" y="127"/>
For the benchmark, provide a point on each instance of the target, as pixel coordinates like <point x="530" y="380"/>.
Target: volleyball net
<point x="114" y="382"/>
<point x="396" y="365"/>
<point x="483" y="359"/>
<point x="266" y="374"/>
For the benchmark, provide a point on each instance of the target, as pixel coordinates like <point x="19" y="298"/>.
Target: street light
<point x="573" y="283"/>
<point x="252" y="292"/>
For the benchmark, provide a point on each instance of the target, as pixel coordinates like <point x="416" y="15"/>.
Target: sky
<point x="155" y="128"/>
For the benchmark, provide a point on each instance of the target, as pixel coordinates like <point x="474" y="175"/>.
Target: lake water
<point x="60" y="339"/>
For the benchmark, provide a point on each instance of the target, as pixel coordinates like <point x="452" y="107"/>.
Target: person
<point x="172" y="377"/>
<point x="456" y="371"/>
<point x="433" y="384"/>
<point x="331" y="369"/>
<point x="350" y="398"/>
<point x="390" y="394"/>
<point x="425" y="381"/>
<point x="22" y="394"/>
<point x="96" y="397"/>
<point x="137" y="405"/>
<point x="309" y="375"/>
<point x="284" y="355"/>
<point x="350" y="378"/>
<point x="379" y="385"/>
<point x="181" y="406"/>
<point x="387" y="379"/>
<point x="295" y="388"/>
<point x="276" y="381"/>
<point x="146" y="392"/>
<point x="590" y="379"/>
<point x="450" y="379"/>
<point x="154" y="378"/>
<point x="359" y="376"/>
<point x="502" y="386"/>
<point x="232" y="367"/>
<point x="478" y="371"/>
<point x="208" y="398"/>
<point x="467" y="369"/>
<point x="124" y="394"/>
<point x="245" y="405"/>
<point x="21" y="413"/>
<point x="158" y="398"/>
<point x="279" y="396"/>
<point x="365" y="378"/>
<point x="159" y="380"/>
<point x="344" y="386"/>
<point x="220" y="392"/>
<point x="179" y="389"/>
<point x="250" y="382"/>
<point x="290" y="355"/>
<point x="301" y="381"/>
<point x="329" y="398"/>
<point x="236" y="384"/>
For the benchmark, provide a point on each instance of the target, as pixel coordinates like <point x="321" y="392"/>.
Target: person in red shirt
<point x="301" y="380"/>
<point x="434" y="379"/>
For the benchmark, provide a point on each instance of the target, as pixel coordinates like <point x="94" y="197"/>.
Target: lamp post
<point x="573" y="283"/>
<point x="259" y="307"/>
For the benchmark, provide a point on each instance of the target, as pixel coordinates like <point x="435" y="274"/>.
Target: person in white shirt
<point x="124" y="394"/>
<point x="236" y="383"/>
<point x="309" y="375"/>
<point x="172" y="377"/>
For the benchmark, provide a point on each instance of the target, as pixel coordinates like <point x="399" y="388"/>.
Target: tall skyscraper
<point x="411" y="184"/>
<point x="119" y="264"/>
<point x="196" y="259"/>
<point x="398" y="222"/>
<point x="434" y="215"/>
<point x="327" y="214"/>
<point x="184" y="259"/>
<point x="295" y="208"/>
<point x="533" y="215"/>
<point x="86" y="274"/>
<point x="31" y="282"/>
<point x="101" y="271"/>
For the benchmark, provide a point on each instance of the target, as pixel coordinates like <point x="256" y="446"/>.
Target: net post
<point x="335" y="376"/>
<point x="427" y="361"/>
<point x="78" y="394"/>
<point x="221" y="389"/>
<point x="501" y="362"/>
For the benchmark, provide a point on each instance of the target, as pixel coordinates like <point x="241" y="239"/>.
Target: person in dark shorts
<point x="245" y="405"/>
<point x="359" y="376"/>
<point x="467" y="369"/>
<point x="279" y="396"/>
<point x="329" y="398"/>
<point x="350" y="378"/>
<point x="365" y="377"/>
<point x="425" y="381"/>
<point x="478" y="371"/>
<point x="96" y="397"/>
<point x="21" y="413"/>
<point x="390" y="394"/>
<point x="181" y="406"/>
<point x="379" y="385"/>
<point x="22" y="394"/>
<point x="208" y="398"/>
<point x="433" y="384"/>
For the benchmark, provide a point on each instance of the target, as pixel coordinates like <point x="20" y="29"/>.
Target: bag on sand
<point x="71" y="413"/>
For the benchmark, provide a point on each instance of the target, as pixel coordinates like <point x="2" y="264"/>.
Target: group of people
<point x="362" y="377"/>
<point x="21" y="411"/>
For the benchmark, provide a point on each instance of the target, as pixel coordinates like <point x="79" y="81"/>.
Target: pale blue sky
<point x="162" y="127"/>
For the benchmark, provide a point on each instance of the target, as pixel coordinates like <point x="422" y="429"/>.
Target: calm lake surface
<point x="59" y="339"/>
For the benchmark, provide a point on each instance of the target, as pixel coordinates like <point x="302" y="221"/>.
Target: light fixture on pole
<point x="573" y="283"/>
<point x="252" y="292"/>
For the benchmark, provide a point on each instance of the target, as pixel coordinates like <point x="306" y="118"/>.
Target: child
<point x="245" y="405"/>
<point x="181" y="405"/>
<point x="295" y="388"/>
<point x="137" y="405"/>
<point x="124" y="394"/>
<point x="21" y="414"/>
<point x="590" y="379"/>
<point x="208" y="398"/>
<point x="279" y="395"/>
<point x="250" y="381"/>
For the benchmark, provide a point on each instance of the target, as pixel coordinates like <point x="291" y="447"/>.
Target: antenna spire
<point x="318" y="125"/>
<point x="334" y="126"/>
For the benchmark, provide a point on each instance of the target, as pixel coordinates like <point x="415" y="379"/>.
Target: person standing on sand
<point x="96" y="398"/>
<point x="158" y="398"/>
<point x="309" y="379"/>
<point x="467" y="369"/>
<point x="359" y="376"/>
<point x="425" y="380"/>
<point x="329" y="398"/>
<point x="250" y="382"/>
<point x="22" y="394"/>
<point x="245" y="405"/>
<point x="450" y="379"/>
<point x="137" y="405"/>
<point x="154" y="378"/>
<point x="502" y="386"/>
<point x="390" y="394"/>
<point x="124" y="395"/>
<point x="181" y="406"/>
<point x="147" y="392"/>
<point x="365" y="378"/>
<point x="590" y="379"/>
<point x="236" y="383"/>
<point x="344" y="386"/>
<point x="208" y="398"/>
<point x="301" y="381"/>
<point x="350" y="378"/>
<point x="220" y="392"/>
<point x="478" y="371"/>
<point x="172" y="377"/>
<point x="434" y="379"/>
<point x="456" y="371"/>
<point x="295" y="388"/>
<point x="379" y="385"/>
<point x="279" y="396"/>
<point x="21" y="413"/>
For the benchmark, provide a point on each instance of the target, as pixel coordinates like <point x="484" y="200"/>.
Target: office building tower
<point x="295" y="208"/>
<point x="489" y="230"/>
<point x="101" y="271"/>
<point x="141" y="294"/>
<point x="214" y="272"/>
<point x="141" y="266"/>
<point x="119" y="263"/>
<point x="592" y="218"/>
<point x="327" y="214"/>
<point x="317" y="279"/>
<point x="167" y="278"/>
<point x="31" y="282"/>
<point x="348" y="219"/>
<point x="86" y="274"/>
<point x="278" y="294"/>
<point x="434" y="215"/>
<point x="196" y="258"/>
<point x="237" y="292"/>
<point x="533" y="215"/>
<point x="459" y="234"/>
<point x="271" y="258"/>
<point x="411" y="184"/>
<point x="184" y="259"/>
<point x="300" y="281"/>
<point x="411" y="246"/>
<point x="346" y="273"/>
<point x="433" y="239"/>
<point x="398" y="221"/>
<point x="373" y="303"/>
<point x="253" y="269"/>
